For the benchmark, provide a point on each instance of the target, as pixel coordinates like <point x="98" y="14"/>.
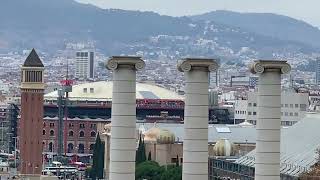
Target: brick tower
<point x="31" y="122"/>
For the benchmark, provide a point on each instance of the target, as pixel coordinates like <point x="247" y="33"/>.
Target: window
<point x="281" y="113"/>
<point x="51" y="132"/>
<point x="291" y="114"/>
<point x="81" y="134"/>
<point x="70" y="125"/>
<point x="85" y="90"/>
<point x="296" y="105"/>
<point x="44" y="124"/>
<point x="50" y="147"/>
<point x="91" y="147"/>
<point x="286" y="105"/>
<point x="43" y="132"/>
<point x="92" y="126"/>
<point x="296" y="114"/>
<point x="70" y="133"/>
<point x="286" y="113"/>
<point x="81" y="126"/>
<point x="254" y="104"/>
<point x="254" y="113"/>
<point x="81" y="148"/>
<point x="281" y="105"/>
<point x="223" y="130"/>
<point x="291" y="105"/>
<point x="91" y="90"/>
<point x="70" y="148"/>
<point x="249" y="113"/>
<point x="249" y="104"/>
<point x="51" y="125"/>
<point x="93" y="134"/>
<point x="303" y="107"/>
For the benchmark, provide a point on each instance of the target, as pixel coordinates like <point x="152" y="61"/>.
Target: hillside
<point x="49" y="24"/>
<point x="267" y="24"/>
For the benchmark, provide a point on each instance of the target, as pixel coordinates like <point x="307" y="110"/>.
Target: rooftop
<point x="33" y="60"/>
<point x="102" y="91"/>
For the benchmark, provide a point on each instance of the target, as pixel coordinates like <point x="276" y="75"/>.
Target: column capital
<point x="259" y="66"/>
<point x="188" y="64"/>
<point x="134" y="61"/>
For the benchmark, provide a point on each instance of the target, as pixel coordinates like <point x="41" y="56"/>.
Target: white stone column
<point x="196" y="115"/>
<point x="123" y="116"/>
<point x="267" y="159"/>
<point x="106" y="137"/>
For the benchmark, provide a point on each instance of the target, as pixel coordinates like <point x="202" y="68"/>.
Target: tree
<point x="149" y="170"/>
<point x="173" y="173"/>
<point x="149" y="156"/>
<point x="177" y="161"/>
<point x="98" y="160"/>
<point x="141" y="152"/>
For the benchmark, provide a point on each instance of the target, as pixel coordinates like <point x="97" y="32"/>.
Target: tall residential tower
<point x="85" y="64"/>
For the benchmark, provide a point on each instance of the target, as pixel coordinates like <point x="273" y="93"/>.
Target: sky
<point x="306" y="10"/>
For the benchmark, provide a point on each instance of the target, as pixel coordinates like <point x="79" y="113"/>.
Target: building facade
<point x="80" y="136"/>
<point x="293" y="107"/>
<point x="85" y="64"/>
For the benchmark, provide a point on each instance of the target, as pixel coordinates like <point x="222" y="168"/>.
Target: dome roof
<point x="160" y="136"/>
<point x="102" y="91"/>
<point x="223" y="147"/>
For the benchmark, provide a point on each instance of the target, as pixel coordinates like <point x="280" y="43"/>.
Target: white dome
<point x="224" y="147"/>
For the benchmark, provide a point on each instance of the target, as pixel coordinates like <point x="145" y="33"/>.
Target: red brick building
<point x="81" y="135"/>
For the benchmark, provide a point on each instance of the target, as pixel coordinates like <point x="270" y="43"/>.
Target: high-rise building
<point x="318" y="71"/>
<point x="85" y="64"/>
<point x="31" y="122"/>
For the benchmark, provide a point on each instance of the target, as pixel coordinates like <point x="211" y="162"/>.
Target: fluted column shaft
<point x="123" y="117"/>
<point x="195" y="142"/>
<point x="267" y="160"/>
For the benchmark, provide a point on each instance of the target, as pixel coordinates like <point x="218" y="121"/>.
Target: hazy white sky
<point x="307" y="10"/>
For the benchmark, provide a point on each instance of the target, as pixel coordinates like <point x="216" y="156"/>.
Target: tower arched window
<point x="51" y="132"/>
<point x="93" y="134"/>
<point x="81" y="148"/>
<point x="43" y="132"/>
<point x="81" y="134"/>
<point x="70" y="133"/>
<point x="70" y="148"/>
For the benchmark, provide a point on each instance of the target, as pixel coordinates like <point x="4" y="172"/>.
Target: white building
<point x="293" y="107"/>
<point x="84" y="64"/>
<point x="240" y="111"/>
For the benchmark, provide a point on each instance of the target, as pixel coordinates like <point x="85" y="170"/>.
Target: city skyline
<point x="293" y="8"/>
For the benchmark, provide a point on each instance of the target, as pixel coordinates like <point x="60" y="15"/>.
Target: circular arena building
<point x="93" y="100"/>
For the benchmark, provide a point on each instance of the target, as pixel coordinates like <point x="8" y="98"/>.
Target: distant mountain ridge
<point x="277" y="26"/>
<point x="49" y="24"/>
